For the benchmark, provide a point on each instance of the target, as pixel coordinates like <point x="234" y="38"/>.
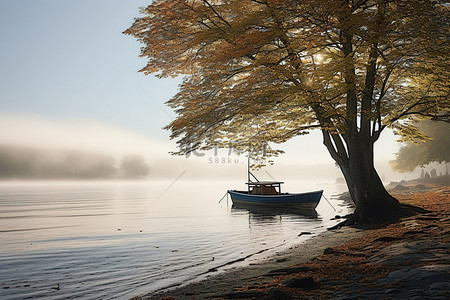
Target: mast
<point x="248" y="168"/>
<point x="248" y="172"/>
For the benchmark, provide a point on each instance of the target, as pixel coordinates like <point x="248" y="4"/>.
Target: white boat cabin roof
<point x="265" y="183"/>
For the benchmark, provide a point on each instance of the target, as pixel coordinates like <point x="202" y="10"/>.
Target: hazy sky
<point x="69" y="60"/>
<point x="68" y="75"/>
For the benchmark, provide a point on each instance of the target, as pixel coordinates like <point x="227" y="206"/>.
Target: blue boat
<point x="268" y="194"/>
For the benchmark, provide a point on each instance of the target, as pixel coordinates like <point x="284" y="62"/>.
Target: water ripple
<point x="96" y="241"/>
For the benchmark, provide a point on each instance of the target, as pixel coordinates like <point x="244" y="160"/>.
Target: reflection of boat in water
<point x="262" y="211"/>
<point x="268" y="194"/>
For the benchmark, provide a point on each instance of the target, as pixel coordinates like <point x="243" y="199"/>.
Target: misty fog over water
<point x="117" y="239"/>
<point x="33" y="146"/>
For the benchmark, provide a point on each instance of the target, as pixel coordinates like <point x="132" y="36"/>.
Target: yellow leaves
<point x="408" y="132"/>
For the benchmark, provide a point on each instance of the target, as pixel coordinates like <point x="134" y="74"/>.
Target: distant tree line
<point x="432" y="146"/>
<point x="32" y="163"/>
<point x="133" y="166"/>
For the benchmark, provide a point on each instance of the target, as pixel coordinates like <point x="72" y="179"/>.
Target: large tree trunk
<point x="373" y="203"/>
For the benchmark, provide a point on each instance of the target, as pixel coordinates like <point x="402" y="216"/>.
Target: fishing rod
<point x="162" y="194"/>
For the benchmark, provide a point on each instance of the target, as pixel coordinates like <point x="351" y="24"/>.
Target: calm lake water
<point x="115" y="240"/>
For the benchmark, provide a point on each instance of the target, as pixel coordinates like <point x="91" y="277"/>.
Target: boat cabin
<point x="264" y="187"/>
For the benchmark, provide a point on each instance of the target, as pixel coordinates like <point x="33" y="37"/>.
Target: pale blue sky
<point x="70" y="60"/>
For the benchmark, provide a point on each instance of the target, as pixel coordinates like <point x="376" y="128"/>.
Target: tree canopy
<point x="258" y="71"/>
<point x="296" y="65"/>
<point x="434" y="147"/>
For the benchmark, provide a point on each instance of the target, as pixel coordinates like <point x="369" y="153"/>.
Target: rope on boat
<point x="226" y="194"/>
<point x="275" y="180"/>
<point x="270" y="176"/>
<point x="329" y="202"/>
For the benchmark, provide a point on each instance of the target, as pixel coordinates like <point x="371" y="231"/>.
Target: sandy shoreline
<point x="215" y="285"/>
<point x="402" y="260"/>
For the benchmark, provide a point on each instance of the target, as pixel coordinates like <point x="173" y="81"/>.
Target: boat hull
<point x="301" y="201"/>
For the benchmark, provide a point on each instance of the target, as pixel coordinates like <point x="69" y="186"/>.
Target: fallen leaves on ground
<point x="357" y="266"/>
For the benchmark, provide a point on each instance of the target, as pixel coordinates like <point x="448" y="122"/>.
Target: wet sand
<point x="256" y="274"/>
<point x="409" y="259"/>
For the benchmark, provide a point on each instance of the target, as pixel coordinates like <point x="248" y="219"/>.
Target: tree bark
<point x="373" y="203"/>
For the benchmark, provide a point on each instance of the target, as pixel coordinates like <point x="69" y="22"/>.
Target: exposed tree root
<point x="413" y="210"/>
<point x="404" y="211"/>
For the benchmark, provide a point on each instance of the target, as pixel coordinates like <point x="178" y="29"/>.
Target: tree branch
<point x="216" y="13"/>
<point x="331" y="148"/>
